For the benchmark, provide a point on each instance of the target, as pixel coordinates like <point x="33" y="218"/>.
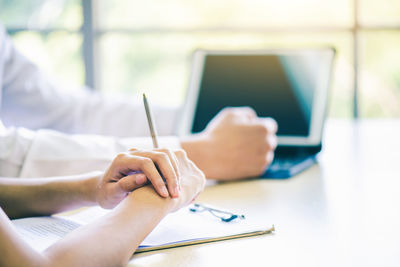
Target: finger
<point x="174" y="162"/>
<point x="178" y="172"/>
<point x="147" y="166"/>
<point x="270" y="158"/>
<point x="247" y="111"/>
<point x="244" y="113"/>
<point x="272" y="141"/>
<point x="133" y="149"/>
<point x="132" y="182"/>
<point x="165" y="166"/>
<point x="271" y="124"/>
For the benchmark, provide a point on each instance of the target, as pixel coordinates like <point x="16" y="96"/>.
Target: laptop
<point x="291" y="86"/>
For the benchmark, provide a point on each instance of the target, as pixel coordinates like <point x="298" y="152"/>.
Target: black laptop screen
<point x="278" y="86"/>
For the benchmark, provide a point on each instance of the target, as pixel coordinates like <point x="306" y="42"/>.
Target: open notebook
<point x="177" y="229"/>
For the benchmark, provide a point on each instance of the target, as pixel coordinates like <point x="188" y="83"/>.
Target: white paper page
<point x="185" y="225"/>
<point x="85" y="216"/>
<point x="41" y="232"/>
<point x="182" y="225"/>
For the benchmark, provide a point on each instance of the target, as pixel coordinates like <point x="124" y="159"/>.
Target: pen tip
<point x="144" y="95"/>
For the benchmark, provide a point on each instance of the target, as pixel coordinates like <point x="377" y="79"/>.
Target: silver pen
<point x="150" y="120"/>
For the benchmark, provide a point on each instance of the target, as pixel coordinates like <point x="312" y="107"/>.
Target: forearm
<point x="197" y="147"/>
<point x="14" y="251"/>
<point x="30" y="197"/>
<point x="109" y="241"/>
<point x="193" y="144"/>
<point x="112" y="240"/>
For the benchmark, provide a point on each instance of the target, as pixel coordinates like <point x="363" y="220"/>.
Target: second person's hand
<point x="235" y="144"/>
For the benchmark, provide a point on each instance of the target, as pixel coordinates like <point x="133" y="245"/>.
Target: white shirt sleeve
<point x="31" y="100"/>
<point x="14" y="146"/>
<point x="44" y="153"/>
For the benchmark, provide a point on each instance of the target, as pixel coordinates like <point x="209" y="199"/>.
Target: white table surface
<point x="343" y="211"/>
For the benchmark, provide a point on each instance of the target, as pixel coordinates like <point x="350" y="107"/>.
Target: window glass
<point x="42" y="14"/>
<point x="189" y="14"/>
<point x="147" y="45"/>
<point x="379" y="12"/>
<point x="380" y="74"/>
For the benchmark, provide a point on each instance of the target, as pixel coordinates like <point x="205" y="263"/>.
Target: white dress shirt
<point x="84" y="129"/>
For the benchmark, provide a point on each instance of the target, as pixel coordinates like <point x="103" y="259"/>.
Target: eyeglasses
<point x="225" y="216"/>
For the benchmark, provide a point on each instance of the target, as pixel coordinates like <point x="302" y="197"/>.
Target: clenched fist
<point x="235" y="144"/>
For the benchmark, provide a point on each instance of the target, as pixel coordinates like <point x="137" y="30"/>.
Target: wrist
<point x="146" y="198"/>
<point x="198" y="150"/>
<point x="91" y="186"/>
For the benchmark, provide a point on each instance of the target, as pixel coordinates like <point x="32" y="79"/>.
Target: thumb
<point x="132" y="182"/>
<point x="270" y="123"/>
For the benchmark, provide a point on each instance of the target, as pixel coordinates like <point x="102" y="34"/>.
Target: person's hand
<point x="235" y="144"/>
<point x="133" y="169"/>
<point x="192" y="184"/>
<point x="192" y="181"/>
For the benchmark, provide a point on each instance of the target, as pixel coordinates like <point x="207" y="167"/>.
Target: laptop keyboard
<point x="285" y="163"/>
<point x="286" y="167"/>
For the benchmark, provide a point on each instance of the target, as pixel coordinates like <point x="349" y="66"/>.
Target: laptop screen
<point x="280" y="86"/>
